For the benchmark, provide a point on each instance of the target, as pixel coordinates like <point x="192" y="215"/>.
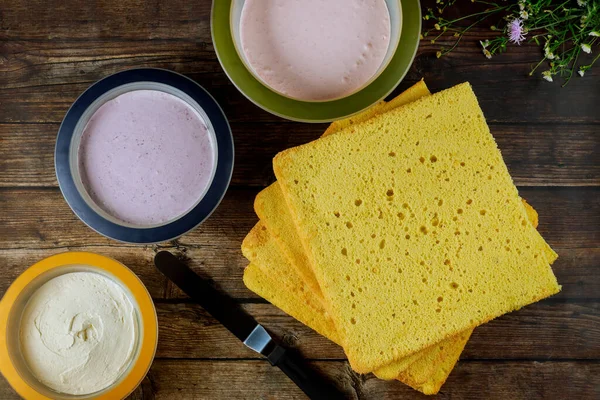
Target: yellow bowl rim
<point x="146" y="311"/>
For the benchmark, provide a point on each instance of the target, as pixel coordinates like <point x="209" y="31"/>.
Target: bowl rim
<point x="315" y="112"/>
<point x="393" y="45"/>
<point x="188" y="221"/>
<point x="145" y="309"/>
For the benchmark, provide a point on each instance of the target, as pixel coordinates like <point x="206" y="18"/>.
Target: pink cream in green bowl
<point x="315" y="61"/>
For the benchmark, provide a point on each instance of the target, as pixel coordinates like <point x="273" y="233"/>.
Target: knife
<point x="228" y="312"/>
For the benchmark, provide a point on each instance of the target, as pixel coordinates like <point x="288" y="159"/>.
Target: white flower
<point x="547" y="53"/>
<point x="487" y="54"/>
<point x="547" y="76"/>
<point x="524" y="15"/>
<point x="581" y="72"/>
<point x="586" y="48"/>
<point x="581" y="3"/>
<point x="594" y="33"/>
<point x="484" y="43"/>
<point x="522" y="5"/>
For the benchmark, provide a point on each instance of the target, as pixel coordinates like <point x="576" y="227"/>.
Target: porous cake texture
<point x="291" y="302"/>
<point x="270" y="205"/>
<point x="272" y="210"/>
<point x="413" y="227"/>
<point x="260" y="249"/>
<point x="426" y="370"/>
<point x="411" y="94"/>
<point x="434" y="363"/>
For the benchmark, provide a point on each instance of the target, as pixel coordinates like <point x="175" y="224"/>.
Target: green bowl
<point x="323" y="111"/>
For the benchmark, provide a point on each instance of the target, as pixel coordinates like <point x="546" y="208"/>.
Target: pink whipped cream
<point x="314" y="49"/>
<point x="146" y="157"/>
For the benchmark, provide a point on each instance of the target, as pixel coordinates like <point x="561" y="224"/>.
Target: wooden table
<point x="549" y="136"/>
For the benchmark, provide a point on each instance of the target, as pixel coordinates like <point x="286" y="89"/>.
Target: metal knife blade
<point x="228" y="312"/>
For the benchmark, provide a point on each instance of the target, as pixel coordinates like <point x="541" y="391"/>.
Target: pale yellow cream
<point x="78" y="333"/>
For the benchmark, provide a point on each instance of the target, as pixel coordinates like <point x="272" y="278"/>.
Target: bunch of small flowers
<point x="563" y="29"/>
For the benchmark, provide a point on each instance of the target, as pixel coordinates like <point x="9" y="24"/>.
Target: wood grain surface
<point x="549" y="136"/>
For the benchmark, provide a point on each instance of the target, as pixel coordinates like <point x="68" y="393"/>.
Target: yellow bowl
<point x="12" y="365"/>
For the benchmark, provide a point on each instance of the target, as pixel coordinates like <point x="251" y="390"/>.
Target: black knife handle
<point x="228" y="312"/>
<point x="311" y="383"/>
<point x="220" y="306"/>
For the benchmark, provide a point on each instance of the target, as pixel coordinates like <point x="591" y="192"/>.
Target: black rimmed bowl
<point x="69" y="137"/>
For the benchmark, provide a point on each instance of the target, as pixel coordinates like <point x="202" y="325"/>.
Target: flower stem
<point x="537" y="28"/>
<point x="485" y="2"/>
<point x="563" y="30"/>
<point x="572" y="69"/>
<point x="489" y="12"/>
<point x="467" y="29"/>
<point x="537" y="66"/>
<point x="594" y="60"/>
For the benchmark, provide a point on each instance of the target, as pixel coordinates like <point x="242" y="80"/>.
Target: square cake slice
<point x="413" y="227"/>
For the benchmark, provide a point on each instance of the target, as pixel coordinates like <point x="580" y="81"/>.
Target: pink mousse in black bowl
<point x="144" y="156"/>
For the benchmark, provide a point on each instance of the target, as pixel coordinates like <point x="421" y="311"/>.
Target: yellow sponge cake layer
<point x="282" y="286"/>
<point x="440" y="357"/>
<point x="270" y="205"/>
<point x="443" y="367"/>
<point x="291" y="302"/>
<point x="434" y="363"/>
<point x="437" y="362"/>
<point x="444" y="356"/>
<point x="411" y="94"/>
<point x="372" y="111"/>
<point x="413" y="227"/>
<point x="272" y="210"/>
<point x="260" y="249"/>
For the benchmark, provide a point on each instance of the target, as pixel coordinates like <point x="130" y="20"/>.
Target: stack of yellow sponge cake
<point x="397" y="233"/>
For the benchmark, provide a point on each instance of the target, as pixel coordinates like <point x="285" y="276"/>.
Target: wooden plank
<point x="569" y="220"/>
<point x="106" y="20"/>
<point x="542" y="331"/>
<point x="257" y="380"/>
<point x="138" y="259"/>
<point x="48" y="63"/>
<point x="253" y="379"/>
<point x="564" y="222"/>
<point x="211" y="264"/>
<point x="549" y="330"/>
<point x="533" y="333"/>
<point x="45" y="227"/>
<point x="536" y="155"/>
<point x="503" y="86"/>
<point x="27" y="155"/>
<point x="41" y="78"/>
<point x="577" y="270"/>
<point x="187" y="331"/>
